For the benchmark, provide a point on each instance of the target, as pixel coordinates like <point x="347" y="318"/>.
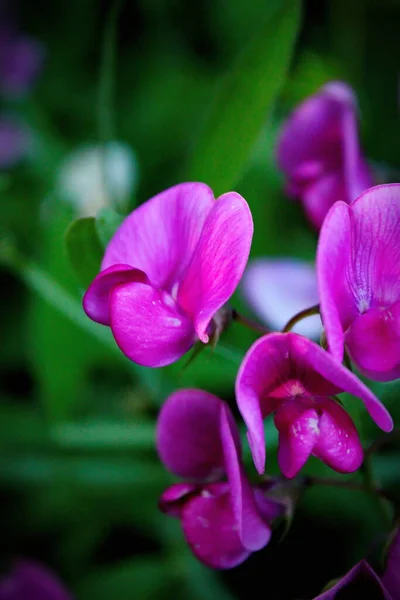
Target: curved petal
<point x="374" y="255"/>
<point x="373" y="343"/>
<point x="254" y="532"/>
<point x="160" y="236"/>
<point x="319" y="196"/>
<point x="96" y="299"/>
<point x="29" y="579"/>
<point x="147" y="326"/>
<point x="337" y="301"/>
<point x="338" y="444"/>
<point x="210" y="528"/>
<point x="360" y="582"/>
<point x="322" y="363"/>
<point x="297" y="437"/>
<point x="263" y="369"/>
<point x="172" y="500"/>
<point x="391" y="577"/>
<point x="277" y="289"/>
<point x="188" y="435"/>
<point x="218" y="262"/>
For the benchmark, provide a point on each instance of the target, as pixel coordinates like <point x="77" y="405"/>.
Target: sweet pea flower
<point x="170" y="267"/>
<point x="294" y="378"/>
<point x="14" y="141"/>
<point x="363" y="582"/>
<point x="277" y="289"/>
<point x="358" y="267"/>
<point x="319" y="152"/>
<point x="29" y="580"/>
<point x="21" y="59"/>
<point x="224" y="519"/>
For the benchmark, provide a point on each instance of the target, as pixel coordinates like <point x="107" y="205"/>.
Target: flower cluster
<point x="166" y="278"/>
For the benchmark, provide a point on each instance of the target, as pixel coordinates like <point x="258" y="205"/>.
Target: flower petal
<point x="210" y="528"/>
<point x="338" y="444"/>
<point x="322" y="363"/>
<point x="172" y="500"/>
<point x="321" y="194"/>
<point x="373" y="342"/>
<point x="254" y="532"/>
<point x="147" y="326"/>
<point x="277" y="289"/>
<point x="391" y="577"/>
<point x="360" y="582"/>
<point x="297" y="438"/>
<point x="29" y="579"/>
<point x="218" y="262"/>
<point x="97" y="296"/>
<point x="338" y="307"/>
<point x="188" y="435"/>
<point x="159" y="237"/>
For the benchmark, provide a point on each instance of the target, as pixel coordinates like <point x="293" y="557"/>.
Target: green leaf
<point x="84" y="249"/>
<point x="246" y="97"/>
<point x="107" y="222"/>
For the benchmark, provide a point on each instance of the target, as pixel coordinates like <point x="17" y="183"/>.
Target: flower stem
<point x="253" y="325"/>
<point x="381" y="441"/>
<point x="307" y="312"/>
<point x="371" y="487"/>
<point x="349" y="485"/>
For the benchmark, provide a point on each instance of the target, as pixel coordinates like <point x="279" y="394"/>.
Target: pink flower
<point x="358" y="265"/>
<point x="21" y="59"/>
<point x="223" y="521"/>
<point x="171" y="265"/>
<point x="294" y="378"/>
<point x="319" y="152"/>
<point x="279" y="288"/>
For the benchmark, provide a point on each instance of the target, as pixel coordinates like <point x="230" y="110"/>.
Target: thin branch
<point x="253" y="325"/>
<point x="307" y="312"/>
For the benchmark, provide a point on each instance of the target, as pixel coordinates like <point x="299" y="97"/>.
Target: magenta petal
<point x="320" y="195"/>
<point x="188" y="435"/>
<point x="373" y="342"/>
<point x="173" y="499"/>
<point x="338" y="444"/>
<point x="160" y="236"/>
<point x="32" y="581"/>
<point x="277" y="289"/>
<point x="360" y="582"/>
<point x="218" y="262"/>
<point x="147" y="326"/>
<point x="391" y="577"/>
<point x="337" y="304"/>
<point x="254" y="532"/>
<point x="297" y="438"/>
<point x="97" y="296"/>
<point x="211" y="529"/>
<point x="334" y="372"/>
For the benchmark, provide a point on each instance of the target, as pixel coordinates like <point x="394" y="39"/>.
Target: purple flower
<point x="277" y="289"/>
<point x="358" y="265"/>
<point x="223" y="521"/>
<point x="319" y="153"/>
<point x="21" y="59"/>
<point x="362" y="581"/>
<point x="171" y="265"/>
<point x="294" y="378"/>
<point x="31" y="581"/>
<point x="14" y="141"/>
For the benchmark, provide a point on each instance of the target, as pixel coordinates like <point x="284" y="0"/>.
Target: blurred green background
<point x="79" y="476"/>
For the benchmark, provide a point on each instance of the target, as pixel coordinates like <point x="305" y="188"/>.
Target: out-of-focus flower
<point x="277" y="289"/>
<point x="362" y="581"/>
<point x="358" y="267"/>
<point x="31" y="581"/>
<point x="224" y="518"/>
<point x="14" y="141"/>
<point x="93" y="177"/>
<point x="21" y="59"/>
<point x="170" y="267"/>
<point x="294" y="378"/>
<point x="319" y="152"/>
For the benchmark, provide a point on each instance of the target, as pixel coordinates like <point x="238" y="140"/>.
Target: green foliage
<point x="84" y="249"/>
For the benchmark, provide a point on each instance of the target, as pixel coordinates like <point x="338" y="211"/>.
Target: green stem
<point x="349" y="485"/>
<point x="253" y="325"/>
<point x="307" y="312"/>
<point x="374" y="491"/>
